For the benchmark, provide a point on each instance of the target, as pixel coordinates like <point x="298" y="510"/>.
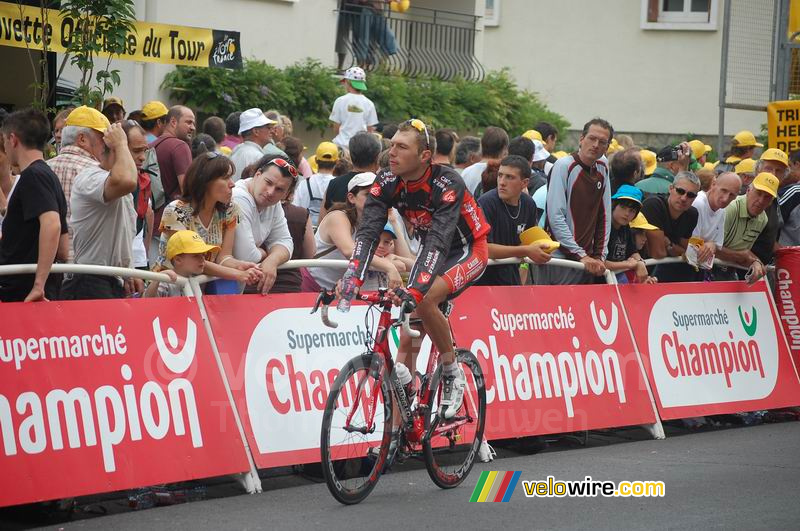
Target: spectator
<point x="103" y="216"/>
<point x="256" y="131"/>
<point x="446" y="140"/>
<point x="494" y="146"/>
<point x="232" y="138"/>
<point x="187" y="253"/>
<point x="743" y="146"/>
<point x="649" y="162"/>
<point x="671" y="161"/>
<point x="35" y="223"/>
<point x="206" y="208"/>
<point x="746" y="170"/>
<point x="468" y="152"/>
<point x="334" y="240"/>
<point x="706" y="177"/>
<point x="541" y="159"/>
<point x="525" y="148"/>
<point x="389" y="131"/>
<point x="201" y="144"/>
<point x="549" y="135"/>
<point x="364" y="151"/>
<point x="277" y="135"/>
<point x="510" y="212"/>
<point x="311" y="191"/>
<point x="626" y="141"/>
<point x="262" y="234"/>
<point x="676" y="220"/>
<point x="293" y="147"/>
<point x="82" y="146"/>
<point x="793" y="175"/>
<point x="699" y="150"/>
<point x="353" y="112"/>
<point x="626" y="168"/>
<point x="288" y="126"/>
<point x="214" y="126"/>
<point x="710" y="208"/>
<point x="58" y="126"/>
<point x="579" y="207"/>
<point x="299" y="223"/>
<point x="154" y="120"/>
<point x="789" y="201"/>
<point x="745" y="219"/>
<point x="114" y="110"/>
<point x="623" y="253"/>
<point x="775" y="162"/>
<point x="135" y="116"/>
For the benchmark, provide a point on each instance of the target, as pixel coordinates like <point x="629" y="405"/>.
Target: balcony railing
<point x="419" y="42"/>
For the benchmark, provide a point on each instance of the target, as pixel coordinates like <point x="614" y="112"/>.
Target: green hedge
<point x="306" y="91"/>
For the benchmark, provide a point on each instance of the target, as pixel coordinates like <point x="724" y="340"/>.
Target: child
<point x="623" y="253"/>
<point x="386" y="249"/>
<point x="186" y="251"/>
<point x="353" y="112"/>
<point x="638" y="226"/>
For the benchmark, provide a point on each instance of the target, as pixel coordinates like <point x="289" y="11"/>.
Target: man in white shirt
<point x="256" y="130"/>
<point x="353" y="112"/>
<point x="494" y="145"/>
<point x="711" y="213"/>
<point x="310" y="192"/>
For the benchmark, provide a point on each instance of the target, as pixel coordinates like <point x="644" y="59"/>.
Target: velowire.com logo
<point x="495" y="486"/>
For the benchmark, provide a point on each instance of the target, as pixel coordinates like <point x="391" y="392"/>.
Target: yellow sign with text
<point x="783" y="125"/>
<point x="29" y="27"/>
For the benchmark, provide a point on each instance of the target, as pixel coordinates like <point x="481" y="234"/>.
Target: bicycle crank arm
<point x="363" y="431"/>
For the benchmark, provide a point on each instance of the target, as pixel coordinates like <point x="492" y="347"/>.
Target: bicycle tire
<point x="449" y="466"/>
<point x="349" y="471"/>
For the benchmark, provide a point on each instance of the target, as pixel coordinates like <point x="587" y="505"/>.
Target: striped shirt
<point x="789" y="201"/>
<point x="742" y="229"/>
<point x="579" y="207"/>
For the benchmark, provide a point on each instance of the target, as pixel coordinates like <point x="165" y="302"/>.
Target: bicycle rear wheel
<point x="350" y="468"/>
<point x="451" y="449"/>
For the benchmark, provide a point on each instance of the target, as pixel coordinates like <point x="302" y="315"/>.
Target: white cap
<point x="252" y="118"/>
<point x="540" y="153"/>
<point x="361" y="179"/>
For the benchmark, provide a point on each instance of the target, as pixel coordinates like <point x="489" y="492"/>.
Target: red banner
<point x="98" y="396"/>
<point x="787" y="295"/>
<point x="711" y="348"/>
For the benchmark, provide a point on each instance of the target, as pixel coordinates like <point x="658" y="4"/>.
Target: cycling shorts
<point x="464" y="265"/>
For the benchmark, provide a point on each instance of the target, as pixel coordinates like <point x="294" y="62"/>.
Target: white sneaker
<point x="452" y="394"/>
<point x="486" y="453"/>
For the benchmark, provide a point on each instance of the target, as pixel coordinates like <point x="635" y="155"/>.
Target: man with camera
<point x="671" y="161"/>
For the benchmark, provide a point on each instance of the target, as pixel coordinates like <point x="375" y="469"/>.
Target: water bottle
<point x="404" y="375"/>
<point x="348" y="289"/>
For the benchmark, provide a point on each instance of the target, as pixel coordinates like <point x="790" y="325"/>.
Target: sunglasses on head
<point x="419" y="125"/>
<point x="684" y="191"/>
<point x="285" y="165"/>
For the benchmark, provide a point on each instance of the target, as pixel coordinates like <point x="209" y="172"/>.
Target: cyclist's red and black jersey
<point x="440" y="209"/>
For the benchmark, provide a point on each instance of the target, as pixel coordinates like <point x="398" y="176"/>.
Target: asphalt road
<point x="741" y="478"/>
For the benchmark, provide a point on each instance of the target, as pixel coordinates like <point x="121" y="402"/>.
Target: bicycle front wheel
<point x="453" y="445"/>
<point x="356" y="429"/>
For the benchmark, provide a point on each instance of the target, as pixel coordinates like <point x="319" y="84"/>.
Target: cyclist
<point x="453" y="252"/>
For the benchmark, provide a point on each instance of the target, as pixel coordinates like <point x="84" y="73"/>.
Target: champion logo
<point x="375" y="190"/>
<point x="424" y="278"/>
<point x="449" y="196"/>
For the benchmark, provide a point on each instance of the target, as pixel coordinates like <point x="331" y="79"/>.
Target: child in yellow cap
<point x="186" y="252"/>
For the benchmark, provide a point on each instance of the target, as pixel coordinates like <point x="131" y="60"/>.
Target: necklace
<point x="519" y="209"/>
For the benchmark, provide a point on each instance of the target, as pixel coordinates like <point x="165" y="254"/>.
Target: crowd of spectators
<point x="242" y="195"/>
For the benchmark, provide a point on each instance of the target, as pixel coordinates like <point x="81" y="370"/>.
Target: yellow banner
<point x="24" y="26"/>
<point x="783" y="125"/>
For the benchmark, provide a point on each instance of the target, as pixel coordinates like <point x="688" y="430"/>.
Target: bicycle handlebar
<point x="326" y="297"/>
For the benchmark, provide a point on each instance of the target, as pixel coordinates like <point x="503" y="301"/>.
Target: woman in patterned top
<point x="206" y="209"/>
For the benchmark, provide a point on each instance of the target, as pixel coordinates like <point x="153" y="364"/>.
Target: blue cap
<point x="626" y="191"/>
<point x="388" y="228"/>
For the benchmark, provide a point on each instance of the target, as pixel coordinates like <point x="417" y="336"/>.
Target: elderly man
<point x="676" y="220"/>
<point x="256" y="131"/>
<point x="775" y="162"/>
<point x="579" y="207"/>
<point x="81" y="147"/>
<point x="671" y="160"/>
<point x="745" y="219"/>
<point x="710" y="208"/>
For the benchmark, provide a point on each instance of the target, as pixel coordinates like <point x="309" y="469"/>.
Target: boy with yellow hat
<point x="186" y="252"/>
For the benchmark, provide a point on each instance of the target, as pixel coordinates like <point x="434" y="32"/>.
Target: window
<point x="491" y="15"/>
<point x="679" y="14"/>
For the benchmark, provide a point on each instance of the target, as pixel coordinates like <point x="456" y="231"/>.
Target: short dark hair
<point x="364" y="149"/>
<point x="626" y="202"/>
<point x="389" y="130"/>
<point x="794" y="156"/>
<point x="149" y="125"/>
<point x="522" y="147"/>
<point x="176" y="111"/>
<point x="202" y="143"/>
<point x="293" y="147"/>
<point x="493" y="142"/>
<point x="515" y="161"/>
<point x="467" y="146"/>
<point x="203" y="171"/>
<point x="265" y="161"/>
<point x="624" y="165"/>
<point x="599" y="122"/>
<point x="30" y="126"/>
<point x="445" y="141"/>
<point x="129" y="125"/>
<point x="546" y="129"/>
<point x="232" y="123"/>
<point x="214" y="126"/>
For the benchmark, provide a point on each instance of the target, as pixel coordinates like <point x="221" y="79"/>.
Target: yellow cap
<point x="154" y="109"/>
<point x="745" y="166"/>
<point x="538" y="235"/>
<point x="710" y="165"/>
<point x="745" y="139"/>
<point x="560" y="154"/>
<point x="187" y="242"/>
<point x="225" y="150"/>
<point x="698" y="148"/>
<point x="327" y="151"/>
<point x="400" y="6"/>
<point x="776" y="155"/>
<point x="614" y="146"/>
<point x="640" y="222"/>
<point x="649" y="160"/>
<point x="533" y="134"/>
<point x="766" y="182"/>
<point x="84" y="116"/>
<point x="108" y="102"/>
<point x="312" y="161"/>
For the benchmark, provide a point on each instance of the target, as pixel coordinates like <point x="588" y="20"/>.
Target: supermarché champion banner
<point x="24" y="27"/>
